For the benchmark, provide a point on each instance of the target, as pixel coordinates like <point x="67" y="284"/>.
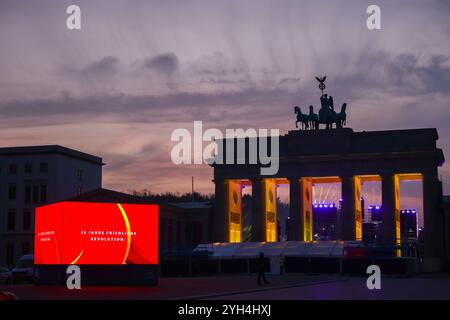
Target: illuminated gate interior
<point x="343" y="157"/>
<point x="353" y="221"/>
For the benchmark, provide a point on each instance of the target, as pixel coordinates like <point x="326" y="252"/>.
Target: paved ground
<point x="292" y="286"/>
<point x="355" y="288"/>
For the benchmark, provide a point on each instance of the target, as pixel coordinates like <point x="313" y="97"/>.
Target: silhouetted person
<point x="282" y="265"/>
<point x="261" y="269"/>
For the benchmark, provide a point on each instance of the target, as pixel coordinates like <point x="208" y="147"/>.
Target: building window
<point x="27" y="194"/>
<point x="26" y="248"/>
<point x="79" y="190"/>
<point x="12" y="168"/>
<point x="36" y="194"/>
<point x="79" y="174"/>
<point x="11" y="223"/>
<point x="28" y="168"/>
<point x="12" y="192"/>
<point x="10" y="253"/>
<point x="43" y="193"/>
<point x="26" y="219"/>
<point x="43" y="167"/>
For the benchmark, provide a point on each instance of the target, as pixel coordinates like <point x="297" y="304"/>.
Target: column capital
<point x="432" y="173"/>
<point x="347" y="176"/>
<point x="387" y="175"/>
<point x="256" y="182"/>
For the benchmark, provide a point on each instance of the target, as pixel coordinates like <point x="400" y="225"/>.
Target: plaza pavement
<point x="237" y="287"/>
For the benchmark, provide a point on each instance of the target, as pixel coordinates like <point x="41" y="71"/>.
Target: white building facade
<point x="35" y="176"/>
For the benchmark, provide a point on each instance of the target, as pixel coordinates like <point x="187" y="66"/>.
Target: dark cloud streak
<point x="166" y="63"/>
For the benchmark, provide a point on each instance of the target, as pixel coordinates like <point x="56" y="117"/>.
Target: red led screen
<point x="96" y="233"/>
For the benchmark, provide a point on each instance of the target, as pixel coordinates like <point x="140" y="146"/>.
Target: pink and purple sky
<point x="137" y="70"/>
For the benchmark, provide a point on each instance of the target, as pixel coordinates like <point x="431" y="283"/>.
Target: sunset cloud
<point x="137" y="70"/>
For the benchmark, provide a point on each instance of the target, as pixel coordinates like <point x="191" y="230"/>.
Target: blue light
<point x="320" y="205"/>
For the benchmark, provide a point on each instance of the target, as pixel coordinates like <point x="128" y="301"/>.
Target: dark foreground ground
<point x="285" y="287"/>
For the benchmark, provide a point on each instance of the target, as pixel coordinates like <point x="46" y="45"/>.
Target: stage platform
<point x="341" y="257"/>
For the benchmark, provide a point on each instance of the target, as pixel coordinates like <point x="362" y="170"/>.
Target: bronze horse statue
<point x="303" y="118"/>
<point x="313" y="118"/>
<point x="342" y="116"/>
<point x="328" y="116"/>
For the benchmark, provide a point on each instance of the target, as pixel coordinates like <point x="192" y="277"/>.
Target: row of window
<point x="34" y="193"/>
<point x="26" y="249"/>
<point x="11" y="220"/>
<point x="43" y="168"/>
<point x="28" y="168"/>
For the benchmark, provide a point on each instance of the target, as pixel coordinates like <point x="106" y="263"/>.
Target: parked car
<point x="6" y="276"/>
<point x="24" y="269"/>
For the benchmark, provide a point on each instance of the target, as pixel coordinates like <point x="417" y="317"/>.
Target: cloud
<point x="166" y="63"/>
<point x="218" y="64"/>
<point x="105" y="67"/>
<point x="231" y="64"/>
<point x="180" y="106"/>
<point x="402" y="74"/>
<point x="99" y="76"/>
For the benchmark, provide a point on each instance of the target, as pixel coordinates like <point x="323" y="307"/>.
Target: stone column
<point x="234" y="210"/>
<point x="165" y="235"/>
<point x="432" y="221"/>
<point x="300" y="209"/>
<point x="160" y="233"/>
<point x="351" y="215"/>
<point x="306" y="209"/>
<point x="390" y="198"/>
<point x="220" y="219"/>
<point x="270" y="209"/>
<point x="295" y="232"/>
<point x="174" y="231"/>
<point x="258" y="217"/>
<point x="182" y="228"/>
<point x="204" y="232"/>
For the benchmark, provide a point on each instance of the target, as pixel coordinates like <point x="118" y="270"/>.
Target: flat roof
<point x="50" y="149"/>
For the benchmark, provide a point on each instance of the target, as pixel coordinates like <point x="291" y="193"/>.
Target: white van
<point x="24" y="269"/>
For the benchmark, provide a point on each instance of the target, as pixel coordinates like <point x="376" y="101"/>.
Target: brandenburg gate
<point x="335" y="155"/>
